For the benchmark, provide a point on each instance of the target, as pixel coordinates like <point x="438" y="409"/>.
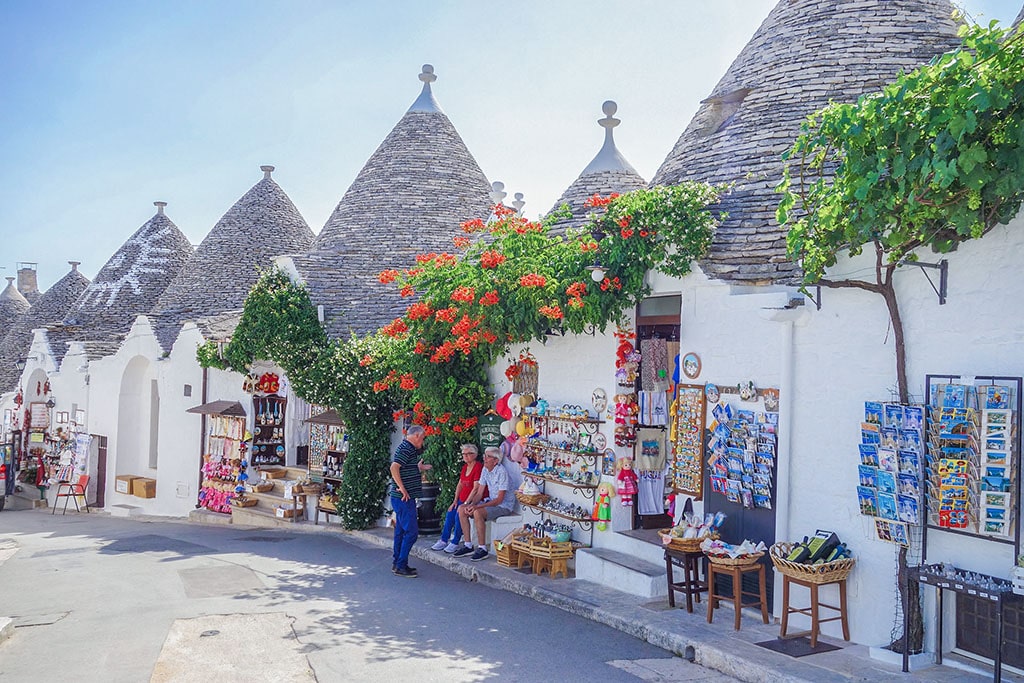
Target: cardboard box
<point x="123" y="483"/>
<point x="144" y="488"/>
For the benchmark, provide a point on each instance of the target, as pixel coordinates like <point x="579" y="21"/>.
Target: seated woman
<point x="472" y="466"/>
<point x="491" y="498"/>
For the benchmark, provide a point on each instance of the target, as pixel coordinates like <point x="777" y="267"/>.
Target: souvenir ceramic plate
<point x="599" y="399"/>
<point x="598" y="441"/>
<point x="516" y="408"/>
<point x="711" y="391"/>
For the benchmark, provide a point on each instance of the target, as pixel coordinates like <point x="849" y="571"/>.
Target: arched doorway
<point x="137" y="419"/>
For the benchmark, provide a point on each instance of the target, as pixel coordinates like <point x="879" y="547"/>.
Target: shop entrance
<point x="657" y="338"/>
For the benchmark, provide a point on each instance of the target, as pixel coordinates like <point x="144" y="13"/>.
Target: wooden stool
<point x="540" y="564"/>
<point x="559" y="565"/>
<point x="812" y="611"/>
<point x="691" y="585"/>
<point x="736" y="572"/>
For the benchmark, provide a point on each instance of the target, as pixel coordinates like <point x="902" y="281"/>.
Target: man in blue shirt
<point x="406" y="487"/>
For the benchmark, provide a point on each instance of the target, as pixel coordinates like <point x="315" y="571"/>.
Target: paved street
<point x="122" y="600"/>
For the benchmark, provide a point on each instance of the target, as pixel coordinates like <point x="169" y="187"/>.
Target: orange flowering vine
<point x="407" y="290"/>
<point x="446" y="315"/>
<point x="554" y="312"/>
<point x="408" y="382"/>
<point x="533" y="280"/>
<point x="388" y="276"/>
<point x="419" y="311"/>
<point x="395" y="328"/>
<point x="474" y="225"/>
<point x="467" y="294"/>
<point x="491" y="259"/>
<point x="366" y="360"/>
<point x="490" y="298"/>
<point x="460" y="242"/>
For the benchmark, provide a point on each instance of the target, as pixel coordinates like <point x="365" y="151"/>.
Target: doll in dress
<point x="626" y="481"/>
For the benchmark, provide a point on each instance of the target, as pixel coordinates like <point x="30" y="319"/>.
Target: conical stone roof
<point x="608" y="173"/>
<point x="1019" y="19"/>
<point x="806" y="53"/>
<point x="51" y="307"/>
<point x="261" y="225"/>
<point x="409" y="198"/>
<point x="12" y="304"/>
<point x="127" y="286"/>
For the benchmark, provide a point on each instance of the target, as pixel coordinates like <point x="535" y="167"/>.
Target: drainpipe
<point x="787" y="316"/>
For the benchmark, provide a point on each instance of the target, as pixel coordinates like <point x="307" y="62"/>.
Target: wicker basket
<point x="826" y="572"/>
<point x="262" y="488"/>
<point x="726" y="561"/>
<point x="688" y="545"/>
<point x="274" y="474"/>
<point x="532" y="498"/>
<point x="244" y="502"/>
<point x="312" y="489"/>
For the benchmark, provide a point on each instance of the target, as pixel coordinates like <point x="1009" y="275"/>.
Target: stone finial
<point x="10" y="281"/>
<point x="518" y="203"/>
<point x="497" y="192"/>
<point x="426" y="102"/>
<point x="608" y="158"/>
<point x="267" y="170"/>
<point x="74" y="264"/>
<point x="160" y="207"/>
<point x="609" y="121"/>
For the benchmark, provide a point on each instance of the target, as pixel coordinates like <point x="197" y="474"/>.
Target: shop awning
<point x="232" y="408"/>
<point x="329" y="418"/>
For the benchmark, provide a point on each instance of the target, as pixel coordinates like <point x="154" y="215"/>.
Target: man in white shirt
<point x="491" y="498"/>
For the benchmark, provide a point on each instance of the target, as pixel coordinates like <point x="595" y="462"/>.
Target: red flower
<point x="576" y="289"/>
<point x="643" y="233"/>
<point x="626" y="233"/>
<point x="443" y="353"/>
<point x="420" y="348"/>
<point x="575" y="302"/>
<point x="461" y="242"/>
<point x="388" y="276"/>
<point x="426" y="258"/>
<point x="443" y="419"/>
<point x="465" y="325"/>
<point x="407" y="290"/>
<point x="513" y="371"/>
<point x="475" y="225"/>
<point x="490" y="298"/>
<point x="491" y="259"/>
<point x="419" y="311"/>
<point x="597" y="200"/>
<point x="625" y="221"/>
<point x="413" y="272"/>
<point x="366" y="360"/>
<point x="445" y="260"/>
<point x="446" y="315"/>
<point x="533" y="280"/>
<point x="501" y="211"/>
<point x="397" y="415"/>
<point x="464" y="294"/>
<point x="489" y="336"/>
<point x="394" y="328"/>
<point x="588" y="246"/>
<point x="380" y="386"/>
<point x="553" y="312"/>
<point x="408" y="382"/>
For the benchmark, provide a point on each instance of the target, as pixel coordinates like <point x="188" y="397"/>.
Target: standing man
<point x="491" y="498"/>
<point x="406" y="487"/>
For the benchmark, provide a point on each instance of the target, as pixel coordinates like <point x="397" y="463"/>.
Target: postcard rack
<point x="973" y="458"/>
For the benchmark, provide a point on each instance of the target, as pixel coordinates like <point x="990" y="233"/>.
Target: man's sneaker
<point x="440" y="545"/>
<point x="452" y="547"/>
<point x="479" y="554"/>
<point x="463" y="551"/>
<point x="406" y="571"/>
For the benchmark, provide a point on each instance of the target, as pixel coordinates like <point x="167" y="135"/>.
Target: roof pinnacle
<point x="160" y="207"/>
<point x="267" y="170"/>
<point x="609" y="158"/>
<point x="426" y="102"/>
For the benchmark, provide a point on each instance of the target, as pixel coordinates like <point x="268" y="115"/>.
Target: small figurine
<point x="627" y="481"/>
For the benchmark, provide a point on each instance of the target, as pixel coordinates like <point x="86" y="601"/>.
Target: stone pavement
<point x="715" y="646"/>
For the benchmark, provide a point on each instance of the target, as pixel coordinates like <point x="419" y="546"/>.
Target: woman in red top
<point x="472" y="466"/>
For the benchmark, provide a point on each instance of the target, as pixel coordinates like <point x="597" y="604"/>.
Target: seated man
<point x="492" y="497"/>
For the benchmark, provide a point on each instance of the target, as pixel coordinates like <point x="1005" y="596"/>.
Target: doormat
<point x="797" y="647"/>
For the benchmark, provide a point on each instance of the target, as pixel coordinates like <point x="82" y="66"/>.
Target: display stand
<point x="328" y="446"/>
<point x="691" y="586"/>
<point x="686" y="438"/>
<point x="268" y="447"/>
<point x="974" y="460"/>
<point x="564" y="455"/>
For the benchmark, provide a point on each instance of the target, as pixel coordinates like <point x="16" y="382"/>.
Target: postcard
<point x="908" y="509"/>
<point x="887" y="506"/>
<point x="882" y="528"/>
<point x="953" y="519"/>
<point x="909" y="463"/>
<point x="954" y="396"/>
<point x="885" y="481"/>
<point x="869" y="454"/>
<point x="894" y="415"/>
<point x="995" y="471"/>
<point x="995" y="528"/>
<point x="996" y="457"/>
<point x="867" y="498"/>
<point x="910" y="440"/>
<point x="1001" y="499"/>
<point x="888" y="460"/>
<point x="748" y="498"/>
<point x="995" y="444"/>
<point x="764" y="502"/>
<point x="890" y="437"/>
<point x="908" y="484"/>
<point x="997" y="513"/>
<point x="899" y="534"/>
<point x="913" y="417"/>
<point x="873" y="412"/>
<point x="996" y="417"/>
<point x="995" y="396"/>
<point x="867" y="475"/>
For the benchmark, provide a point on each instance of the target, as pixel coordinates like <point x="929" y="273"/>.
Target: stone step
<point x="26" y="499"/>
<point x="122" y="510"/>
<point x="204" y="516"/>
<point x="258" y="517"/>
<point x="622" y="572"/>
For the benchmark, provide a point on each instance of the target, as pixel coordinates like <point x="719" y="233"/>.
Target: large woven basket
<point x="262" y="488"/>
<point x="244" y="502"/>
<point x="532" y="498"/>
<point x="726" y="561"/>
<point x="826" y="572"/>
<point x="688" y="545"/>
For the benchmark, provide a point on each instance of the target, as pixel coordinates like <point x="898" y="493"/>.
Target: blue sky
<point x="109" y="106"/>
